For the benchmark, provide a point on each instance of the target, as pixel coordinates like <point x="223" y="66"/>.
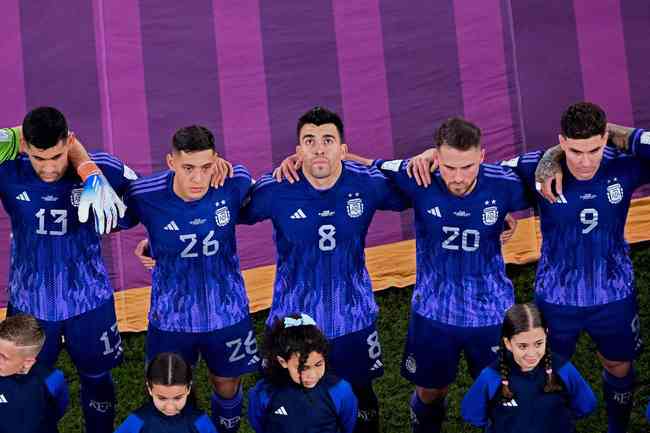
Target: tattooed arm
<point x="549" y="170"/>
<point x="619" y="136"/>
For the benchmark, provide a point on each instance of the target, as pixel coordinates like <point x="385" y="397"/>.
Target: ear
<point x="71" y="138"/>
<point x="299" y="151"/>
<point x="482" y="156"/>
<point x="282" y="362"/>
<point x="28" y="363"/>
<point x="344" y="150"/>
<point x="170" y="162"/>
<point x="507" y="343"/>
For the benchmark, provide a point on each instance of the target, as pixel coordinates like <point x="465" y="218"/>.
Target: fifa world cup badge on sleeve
<point x="222" y="214"/>
<point x="645" y="138"/>
<point x="490" y="213"/>
<point x="355" y="205"/>
<point x="615" y="192"/>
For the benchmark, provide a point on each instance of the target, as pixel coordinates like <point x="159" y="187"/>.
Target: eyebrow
<point x="52" y="157"/>
<point x="573" y="149"/>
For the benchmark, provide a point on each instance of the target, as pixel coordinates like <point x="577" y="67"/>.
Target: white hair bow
<point x="304" y="320"/>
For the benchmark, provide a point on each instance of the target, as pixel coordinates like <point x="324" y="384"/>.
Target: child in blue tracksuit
<point x="528" y="389"/>
<point x="297" y="395"/>
<point x="33" y="398"/>
<point x="172" y="408"/>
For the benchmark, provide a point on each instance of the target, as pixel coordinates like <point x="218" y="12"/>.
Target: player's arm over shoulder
<point x="9" y="143"/>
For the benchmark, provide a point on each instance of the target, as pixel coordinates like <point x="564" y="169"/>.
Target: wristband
<point x="86" y="169"/>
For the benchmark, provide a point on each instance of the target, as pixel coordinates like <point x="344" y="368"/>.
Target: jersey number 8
<point x="326" y="241"/>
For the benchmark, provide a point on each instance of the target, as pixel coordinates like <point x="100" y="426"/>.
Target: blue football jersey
<point x="56" y="270"/>
<point x="461" y="278"/>
<point x="320" y="237"/>
<point x="197" y="284"/>
<point x="585" y="259"/>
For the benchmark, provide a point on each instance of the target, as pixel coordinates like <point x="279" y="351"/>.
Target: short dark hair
<point x="23" y="330"/>
<point x="284" y="342"/>
<point x="193" y="138"/>
<point x="583" y="120"/>
<point x="458" y="133"/>
<point x="522" y="318"/>
<point x="320" y="116"/>
<point x="44" y="127"/>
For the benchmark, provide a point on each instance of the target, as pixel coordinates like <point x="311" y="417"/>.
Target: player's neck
<point x="326" y="182"/>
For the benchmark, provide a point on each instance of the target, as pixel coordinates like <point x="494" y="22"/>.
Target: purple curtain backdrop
<point x="127" y="74"/>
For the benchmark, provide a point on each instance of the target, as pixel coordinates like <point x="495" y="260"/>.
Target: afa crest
<point x="615" y="193"/>
<point x="355" y="207"/>
<point x="75" y="196"/>
<point x="222" y="214"/>
<point x="490" y="214"/>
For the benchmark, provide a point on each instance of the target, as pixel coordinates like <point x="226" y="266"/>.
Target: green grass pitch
<point x="394" y="391"/>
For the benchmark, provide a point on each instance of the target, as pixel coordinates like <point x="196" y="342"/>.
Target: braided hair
<point x="522" y="318"/>
<point x="284" y="341"/>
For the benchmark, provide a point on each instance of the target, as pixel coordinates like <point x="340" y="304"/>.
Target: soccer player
<point x="461" y="291"/>
<point x="57" y="273"/>
<point x="32" y="397"/>
<point x="198" y="299"/>
<point x="96" y="192"/>
<point x="320" y="226"/>
<point x="585" y="280"/>
<point x="529" y="389"/>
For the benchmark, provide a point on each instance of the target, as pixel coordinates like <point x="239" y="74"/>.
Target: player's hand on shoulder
<point x="421" y="166"/>
<point x="98" y="193"/>
<point x="511" y="226"/>
<point x="143" y="253"/>
<point x="288" y="169"/>
<point x="222" y="170"/>
<point x="548" y="175"/>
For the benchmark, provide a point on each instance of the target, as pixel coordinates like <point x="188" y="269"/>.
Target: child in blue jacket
<point x="33" y="398"/>
<point x="528" y="389"/>
<point x="297" y="394"/>
<point x="172" y="408"/>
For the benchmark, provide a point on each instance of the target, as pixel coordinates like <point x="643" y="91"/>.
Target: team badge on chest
<point x="222" y="214"/>
<point x="490" y="213"/>
<point x="355" y="205"/>
<point x="75" y="196"/>
<point x="615" y="192"/>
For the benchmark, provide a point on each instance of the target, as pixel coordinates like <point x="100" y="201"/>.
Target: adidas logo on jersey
<point x="378" y="364"/>
<point x="561" y="199"/>
<point x="3" y="399"/>
<point x="511" y="403"/>
<point x="298" y="215"/>
<point x="23" y="196"/>
<point x="281" y="411"/>
<point x="435" y="211"/>
<point x="172" y="226"/>
<point x="254" y="360"/>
